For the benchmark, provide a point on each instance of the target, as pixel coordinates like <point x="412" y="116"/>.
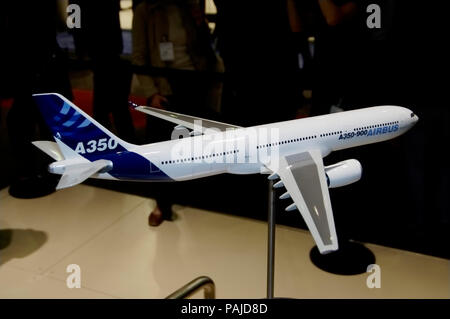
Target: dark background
<point x="402" y="199"/>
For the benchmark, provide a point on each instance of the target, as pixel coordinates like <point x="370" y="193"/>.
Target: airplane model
<point x="291" y="151"/>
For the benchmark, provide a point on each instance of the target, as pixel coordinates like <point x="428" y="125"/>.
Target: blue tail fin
<point x="75" y="129"/>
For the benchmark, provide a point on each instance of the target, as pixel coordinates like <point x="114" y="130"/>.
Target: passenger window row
<point x="190" y="159"/>
<point x="287" y="141"/>
<point x="330" y="134"/>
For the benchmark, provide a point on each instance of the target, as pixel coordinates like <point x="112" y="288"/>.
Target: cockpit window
<point x="412" y="115"/>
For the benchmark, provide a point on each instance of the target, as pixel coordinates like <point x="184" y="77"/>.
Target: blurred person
<point x="100" y="38"/>
<point x="360" y="67"/>
<point x="334" y="26"/>
<point x="173" y="34"/>
<point x="32" y="62"/>
<point x="261" y="64"/>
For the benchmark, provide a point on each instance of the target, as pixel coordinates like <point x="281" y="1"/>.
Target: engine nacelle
<point x="343" y="173"/>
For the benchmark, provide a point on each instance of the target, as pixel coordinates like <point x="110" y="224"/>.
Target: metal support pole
<point x="190" y="288"/>
<point x="271" y="242"/>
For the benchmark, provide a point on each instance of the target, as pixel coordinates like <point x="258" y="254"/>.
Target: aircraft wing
<point x="78" y="172"/>
<point x="187" y="121"/>
<point x="303" y="175"/>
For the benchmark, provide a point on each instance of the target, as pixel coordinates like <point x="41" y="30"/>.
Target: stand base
<point x="33" y="187"/>
<point x="351" y="259"/>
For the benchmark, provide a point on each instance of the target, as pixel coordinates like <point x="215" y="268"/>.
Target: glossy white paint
<point x="328" y="134"/>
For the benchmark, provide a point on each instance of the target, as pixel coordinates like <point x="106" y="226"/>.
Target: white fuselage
<point x="250" y="150"/>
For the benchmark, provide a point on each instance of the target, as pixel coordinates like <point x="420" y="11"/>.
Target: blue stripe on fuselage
<point x="132" y="166"/>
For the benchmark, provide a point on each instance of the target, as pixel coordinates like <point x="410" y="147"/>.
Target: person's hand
<point x="157" y="100"/>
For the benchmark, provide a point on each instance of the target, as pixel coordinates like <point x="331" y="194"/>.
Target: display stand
<point x="271" y="242"/>
<point x="352" y="258"/>
<point x="192" y="287"/>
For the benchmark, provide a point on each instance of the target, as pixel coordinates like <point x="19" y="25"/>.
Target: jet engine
<point x="343" y="173"/>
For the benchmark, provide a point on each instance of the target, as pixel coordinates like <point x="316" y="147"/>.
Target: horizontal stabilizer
<point x="50" y="148"/>
<point x="75" y="174"/>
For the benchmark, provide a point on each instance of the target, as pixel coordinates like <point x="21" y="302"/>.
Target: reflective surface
<point x="107" y="235"/>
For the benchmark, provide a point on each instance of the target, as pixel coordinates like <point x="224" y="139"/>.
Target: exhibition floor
<point x="106" y="233"/>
